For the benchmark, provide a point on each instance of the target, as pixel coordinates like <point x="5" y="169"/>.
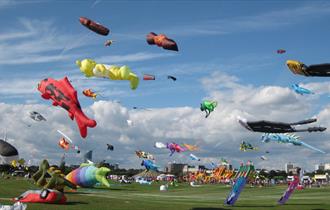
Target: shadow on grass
<point x="75" y="203"/>
<point x="208" y="208"/>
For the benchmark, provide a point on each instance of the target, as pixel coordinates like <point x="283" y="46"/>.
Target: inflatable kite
<point x="208" y="107"/>
<point x="149" y="77"/>
<point x="42" y="196"/>
<point x="146" y="155"/>
<point x="110" y="147"/>
<point x="173" y="147"/>
<point x="36" y="116"/>
<point x="160" y="145"/>
<point x="190" y="147"/>
<point x="89" y="93"/>
<point x="161" y="41"/>
<point x="287" y="139"/>
<point x="87" y="175"/>
<point x="318" y="70"/>
<point x="92" y="69"/>
<point x="108" y="42"/>
<point x="149" y="165"/>
<point x="263" y="157"/>
<point x="286" y="195"/>
<point x="281" y="51"/>
<point x="194" y="157"/>
<point x="63" y="94"/>
<point x="8" y="153"/>
<point x="94" y="26"/>
<point x="171" y="77"/>
<point x="300" y="90"/>
<point x="245" y="146"/>
<point x="65" y="141"/>
<point x="278" y="127"/>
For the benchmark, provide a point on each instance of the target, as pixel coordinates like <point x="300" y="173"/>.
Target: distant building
<point x="175" y="168"/>
<point x="288" y="167"/>
<point x="320" y="167"/>
<point x="327" y="166"/>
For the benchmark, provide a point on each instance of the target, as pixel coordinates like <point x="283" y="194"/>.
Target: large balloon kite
<point x="208" y="107"/>
<point x="278" y="127"/>
<point x="63" y="94"/>
<point x="94" y="26"/>
<point x="317" y="70"/>
<point x="300" y="90"/>
<point x="92" y="69"/>
<point x="36" y="116"/>
<point x="8" y="152"/>
<point x="162" y="40"/>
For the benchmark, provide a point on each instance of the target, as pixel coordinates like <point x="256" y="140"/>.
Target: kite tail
<point x="311" y="147"/>
<point x="83" y="122"/>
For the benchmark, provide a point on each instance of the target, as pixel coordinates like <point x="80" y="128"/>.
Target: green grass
<point x="183" y="197"/>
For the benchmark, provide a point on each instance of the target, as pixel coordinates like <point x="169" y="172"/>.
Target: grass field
<point x="183" y="197"/>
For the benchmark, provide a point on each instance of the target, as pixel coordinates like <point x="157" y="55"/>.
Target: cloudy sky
<point x="227" y="53"/>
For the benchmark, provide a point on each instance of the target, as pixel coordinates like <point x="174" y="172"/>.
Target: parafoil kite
<point x="288" y="139"/>
<point x="63" y="94"/>
<point x="87" y="175"/>
<point x="317" y="70"/>
<point x="208" y="107"/>
<point x="36" y="116"/>
<point x="278" y="127"/>
<point x="171" y="77"/>
<point x="110" y="147"/>
<point x="92" y="69"/>
<point x="162" y="40"/>
<point x="94" y="26"/>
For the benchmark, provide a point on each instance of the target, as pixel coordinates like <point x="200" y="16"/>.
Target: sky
<point x="227" y="53"/>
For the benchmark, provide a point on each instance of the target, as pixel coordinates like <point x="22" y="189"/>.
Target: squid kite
<point x="92" y="69"/>
<point x="94" y="26"/>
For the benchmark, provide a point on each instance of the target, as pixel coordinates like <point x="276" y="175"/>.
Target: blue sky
<point x="220" y="39"/>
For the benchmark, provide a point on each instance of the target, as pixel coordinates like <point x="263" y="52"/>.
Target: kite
<point x="161" y="40"/>
<point x="278" y="127"/>
<point x="171" y="77"/>
<point x="281" y="51"/>
<point x="173" y="147"/>
<point x="90" y="93"/>
<point x="149" y="165"/>
<point x="194" y="157"/>
<point x="36" y="116"/>
<point x="65" y="141"/>
<point x="190" y="147"/>
<point x="42" y="196"/>
<point x="108" y="42"/>
<point x="110" y="147"/>
<point x="148" y="77"/>
<point x="288" y="139"/>
<point x="286" y="195"/>
<point x="92" y="69"/>
<point x="146" y="155"/>
<point x="8" y="153"/>
<point x="263" y="158"/>
<point x="300" y="90"/>
<point x="94" y="26"/>
<point x="87" y="175"/>
<point x="63" y="94"/>
<point x="208" y="107"/>
<point x="245" y="146"/>
<point x="318" y="70"/>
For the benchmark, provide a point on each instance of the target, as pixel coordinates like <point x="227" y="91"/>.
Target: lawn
<point x="183" y="197"/>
